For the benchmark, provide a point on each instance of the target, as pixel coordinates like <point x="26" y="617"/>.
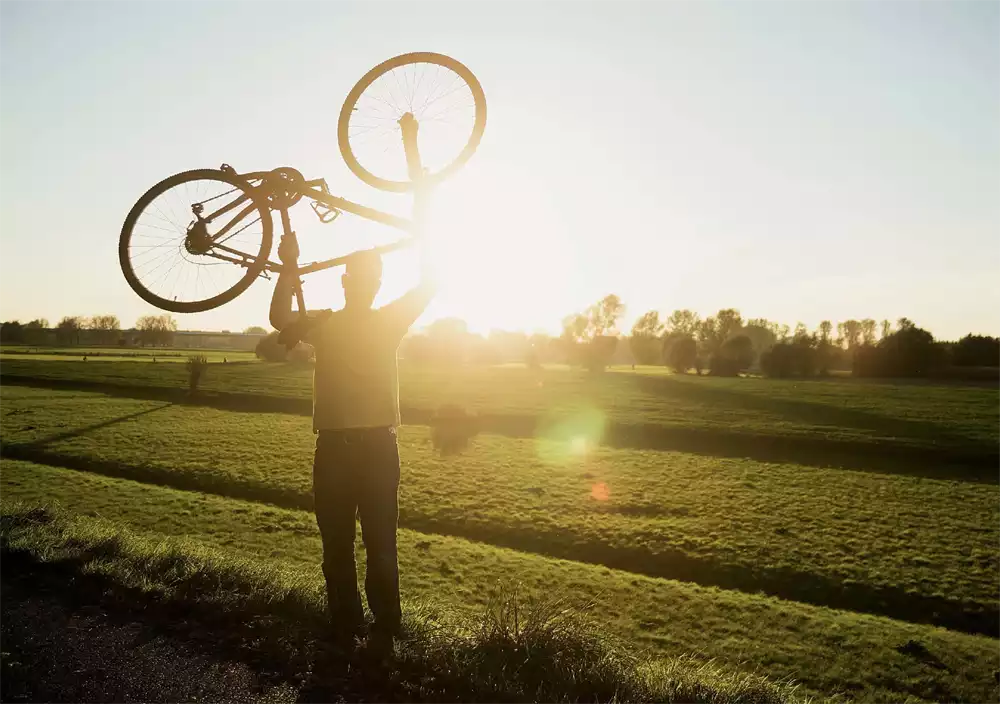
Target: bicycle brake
<point x="324" y="213"/>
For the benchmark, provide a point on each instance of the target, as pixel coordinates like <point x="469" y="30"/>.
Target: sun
<point x="496" y="266"/>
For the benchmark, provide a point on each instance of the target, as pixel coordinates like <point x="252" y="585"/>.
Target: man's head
<point x="362" y="279"/>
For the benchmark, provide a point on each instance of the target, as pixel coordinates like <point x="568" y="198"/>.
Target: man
<point x="355" y="414"/>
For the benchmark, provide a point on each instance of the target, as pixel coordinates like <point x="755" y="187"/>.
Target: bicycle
<point x="221" y="225"/>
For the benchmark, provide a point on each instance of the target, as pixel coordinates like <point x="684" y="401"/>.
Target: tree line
<point x="723" y="344"/>
<point x="105" y="329"/>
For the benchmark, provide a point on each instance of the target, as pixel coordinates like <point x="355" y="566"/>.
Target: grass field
<point x="788" y="530"/>
<point x="827" y="651"/>
<point x="959" y="418"/>
<point x="118" y="354"/>
<point x="841" y="520"/>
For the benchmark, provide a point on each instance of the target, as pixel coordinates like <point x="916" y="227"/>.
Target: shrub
<point x="680" y="352"/>
<point x="976" y="351"/>
<point x="270" y="350"/>
<point x="796" y="358"/>
<point x="735" y="356"/>
<point x="908" y="352"/>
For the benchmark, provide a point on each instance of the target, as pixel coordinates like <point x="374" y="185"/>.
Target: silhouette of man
<point x="355" y="416"/>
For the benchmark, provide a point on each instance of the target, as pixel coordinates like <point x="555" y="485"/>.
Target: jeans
<point x="356" y="473"/>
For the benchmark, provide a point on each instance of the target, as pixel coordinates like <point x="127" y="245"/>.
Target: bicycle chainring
<point x="284" y="187"/>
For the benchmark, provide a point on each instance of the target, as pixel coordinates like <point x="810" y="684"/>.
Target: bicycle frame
<point x="317" y="191"/>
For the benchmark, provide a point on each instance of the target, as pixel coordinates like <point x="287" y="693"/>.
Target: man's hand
<point x="288" y="252"/>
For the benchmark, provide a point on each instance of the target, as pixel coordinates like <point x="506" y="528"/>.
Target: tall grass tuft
<point x="197" y="365"/>
<point x="515" y="650"/>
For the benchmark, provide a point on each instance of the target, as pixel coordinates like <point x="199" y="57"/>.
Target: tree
<point x="761" y="334"/>
<point x="708" y="334"/>
<point x="976" y="351"/>
<point x="734" y="356"/>
<point x="728" y="322"/>
<point x="605" y="313"/>
<point x="886" y="327"/>
<point x="35" y="332"/>
<point x="645" y="338"/>
<point x="156" y="330"/>
<point x="255" y="330"/>
<point x="715" y="330"/>
<point x="908" y="352"/>
<point x="825" y="330"/>
<point x="849" y="334"/>
<point x="683" y="322"/>
<point x="868" y="331"/>
<point x="505" y="346"/>
<point x="795" y="357"/>
<point x="106" y="327"/>
<point x="587" y="337"/>
<point x="539" y="345"/>
<point x="68" y="330"/>
<point x="824" y="347"/>
<point x="680" y="351"/>
<point x="12" y="331"/>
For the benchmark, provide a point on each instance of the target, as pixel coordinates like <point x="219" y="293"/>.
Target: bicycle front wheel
<point x="195" y="241"/>
<point x="441" y="93"/>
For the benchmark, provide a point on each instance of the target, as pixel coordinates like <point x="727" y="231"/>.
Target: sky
<point x="798" y="161"/>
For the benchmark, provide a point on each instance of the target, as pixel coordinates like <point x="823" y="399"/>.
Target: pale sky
<point x="798" y="161"/>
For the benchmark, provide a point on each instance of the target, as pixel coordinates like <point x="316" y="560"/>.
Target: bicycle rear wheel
<point x="441" y="93"/>
<point x="195" y="241"/>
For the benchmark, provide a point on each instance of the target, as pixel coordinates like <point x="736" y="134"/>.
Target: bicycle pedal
<point x="324" y="213"/>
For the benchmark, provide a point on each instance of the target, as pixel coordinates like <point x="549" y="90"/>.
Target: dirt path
<point x="56" y="647"/>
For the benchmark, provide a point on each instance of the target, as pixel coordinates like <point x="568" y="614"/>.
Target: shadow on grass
<point x="796" y="585"/>
<point x="802" y="410"/>
<point x="77" y="432"/>
<point x="236" y="610"/>
<point x="963" y="461"/>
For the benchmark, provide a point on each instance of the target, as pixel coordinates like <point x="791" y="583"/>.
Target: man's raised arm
<point x="405" y="310"/>
<point x="281" y="301"/>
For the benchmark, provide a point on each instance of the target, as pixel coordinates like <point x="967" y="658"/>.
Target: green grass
<point x="911" y="548"/>
<point x="827" y="651"/>
<point x="118" y="354"/>
<point x="916" y="415"/>
<point x="514" y="650"/>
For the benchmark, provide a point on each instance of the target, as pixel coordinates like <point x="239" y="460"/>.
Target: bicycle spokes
<point x="184" y="242"/>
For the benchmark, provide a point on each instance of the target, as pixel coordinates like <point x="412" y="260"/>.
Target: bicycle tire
<point x="225" y="296"/>
<point x="359" y="88"/>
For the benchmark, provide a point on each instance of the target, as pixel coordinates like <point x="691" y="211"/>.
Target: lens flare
<point x="600" y="492"/>
<point x="569" y="437"/>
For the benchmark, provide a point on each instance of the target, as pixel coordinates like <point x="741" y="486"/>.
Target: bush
<point x="645" y="349"/>
<point x="908" y="352"/>
<point x="680" y="352"/>
<point x="796" y="358"/>
<point x="976" y="351"/>
<point x="735" y="356"/>
<point x="197" y="364"/>
<point x="270" y="350"/>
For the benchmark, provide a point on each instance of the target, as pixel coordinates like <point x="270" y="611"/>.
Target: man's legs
<point x="379" y="511"/>
<point x="335" y="492"/>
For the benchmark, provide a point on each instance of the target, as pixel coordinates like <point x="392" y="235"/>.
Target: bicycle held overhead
<point x="200" y="238"/>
